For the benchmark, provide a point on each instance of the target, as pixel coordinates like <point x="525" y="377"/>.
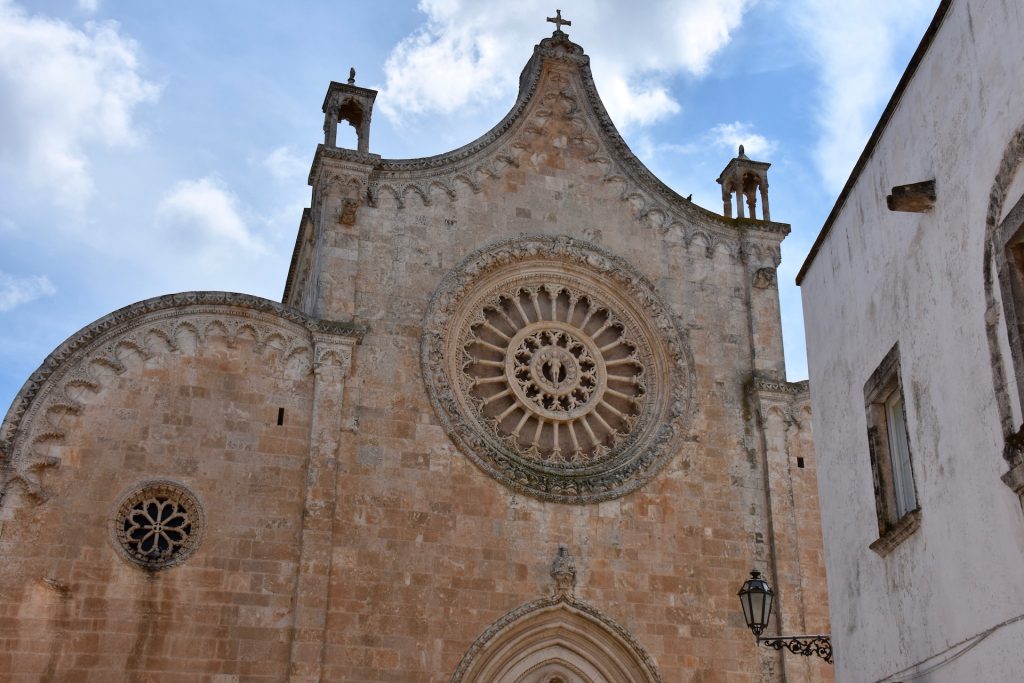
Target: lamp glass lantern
<point x="756" y="601"/>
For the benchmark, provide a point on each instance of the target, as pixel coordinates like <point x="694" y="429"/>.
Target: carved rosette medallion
<point x="556" y="369"/>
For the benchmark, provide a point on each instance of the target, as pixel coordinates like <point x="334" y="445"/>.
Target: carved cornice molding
<point x="145" y="328"/>
<point x="789" y="400"/>
<point x="348" y="156"/>
<point x="766" y="385"/>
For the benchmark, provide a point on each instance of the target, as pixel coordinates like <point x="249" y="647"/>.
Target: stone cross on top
<point x="558" y="21"/>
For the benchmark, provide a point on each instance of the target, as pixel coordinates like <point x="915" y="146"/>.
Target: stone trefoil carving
<point x="555" y="367"/>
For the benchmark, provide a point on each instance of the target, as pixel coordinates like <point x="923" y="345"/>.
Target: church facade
<point x="522" y="416"/>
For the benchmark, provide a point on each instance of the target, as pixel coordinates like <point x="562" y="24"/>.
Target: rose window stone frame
<point x="157" y="524"/>
<point x="556" y="368"/>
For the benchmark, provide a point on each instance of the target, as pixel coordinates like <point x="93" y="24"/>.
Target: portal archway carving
<point x="556" y="639"/>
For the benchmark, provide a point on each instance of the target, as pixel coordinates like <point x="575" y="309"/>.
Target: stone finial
<point x="352" y="77"/>
<point x="563" y="571"/>
<point x="741" y="155"/>
<point x="558" y="21"/>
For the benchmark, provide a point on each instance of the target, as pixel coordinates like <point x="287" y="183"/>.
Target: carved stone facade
<point x="527" y="348"/>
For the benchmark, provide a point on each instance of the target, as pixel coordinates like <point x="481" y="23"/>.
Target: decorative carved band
<point x="145" y="328"/>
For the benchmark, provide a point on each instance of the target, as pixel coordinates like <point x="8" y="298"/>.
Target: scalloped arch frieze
<point x="172" y="324"/>
<point x="557" y="87"/>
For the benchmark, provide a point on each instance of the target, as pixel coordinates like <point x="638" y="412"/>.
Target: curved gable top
<point x="475" y="160"/>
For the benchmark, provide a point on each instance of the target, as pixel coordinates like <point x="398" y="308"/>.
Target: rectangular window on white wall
<point x="889" y="450"/>
<point x="899" y="453"/>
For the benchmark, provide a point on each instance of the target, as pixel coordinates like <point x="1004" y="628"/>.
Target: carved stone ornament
<point x="556" y="368"/>
<point x="563" y="571"/>
<point x="157" y="524"/>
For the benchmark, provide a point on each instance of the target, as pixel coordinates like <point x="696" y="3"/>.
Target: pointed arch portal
<point x="556" y="640"/>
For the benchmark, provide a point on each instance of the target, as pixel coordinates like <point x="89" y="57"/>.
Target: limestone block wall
<point x="190" y="391"/>
<point x="429" y="550"/>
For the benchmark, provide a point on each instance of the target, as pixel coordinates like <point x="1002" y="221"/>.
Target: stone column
<point x="363" y="133"/>
<point x="332" y="360"/>
<point x="764" y="200"/>
<point x="331" y="129"/>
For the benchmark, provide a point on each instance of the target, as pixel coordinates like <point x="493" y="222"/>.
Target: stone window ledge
<point x="897" y="533"/>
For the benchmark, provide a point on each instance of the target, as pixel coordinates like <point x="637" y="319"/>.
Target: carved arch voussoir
<point x="163" y="325"/>
<point x="536" y="633"/>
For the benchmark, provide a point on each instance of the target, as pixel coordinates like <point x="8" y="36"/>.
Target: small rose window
<point x="158" y="524"/>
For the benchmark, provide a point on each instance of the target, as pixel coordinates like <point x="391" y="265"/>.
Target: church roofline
<point x="127" y="318"/>
<point x="872" y="143"/>
<point x="557" y="48"/>
<point x="305" y="224"/>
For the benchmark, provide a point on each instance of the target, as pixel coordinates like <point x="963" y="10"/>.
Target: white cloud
<point x="90" y="6"/>
<point x="460" y="58"/>
<point x="205" y="214"/>
<point x="286" y="166"/>
<point x="62" y="90"/>
<point x="732" y="135"/>
<point x="16" y="291"/>
<point x="854" y="46"/>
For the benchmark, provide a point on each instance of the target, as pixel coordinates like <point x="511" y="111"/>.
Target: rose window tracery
<point x="554" y="372"/>
<point x="555" y="367"/>
<point x="158" y="524"/>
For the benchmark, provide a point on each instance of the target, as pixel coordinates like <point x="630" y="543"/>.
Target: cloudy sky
<point x="148" y="148"/>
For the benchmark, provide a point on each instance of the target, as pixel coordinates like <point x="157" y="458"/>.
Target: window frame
<point x="1010" y="275"/>
<point x="897" y="503"/>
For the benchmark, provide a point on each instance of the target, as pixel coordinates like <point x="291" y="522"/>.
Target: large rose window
<point x="556" y="368"/>
<point x="554" y="373"/>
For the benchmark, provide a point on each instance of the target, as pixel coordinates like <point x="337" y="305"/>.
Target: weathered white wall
<point x="883" y="277"/>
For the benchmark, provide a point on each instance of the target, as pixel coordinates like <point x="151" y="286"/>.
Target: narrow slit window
<point x="280" y="416"/>
<point x="800" y="462"/>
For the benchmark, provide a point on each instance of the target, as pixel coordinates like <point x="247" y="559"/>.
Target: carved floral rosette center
<point x="556" y="369"/>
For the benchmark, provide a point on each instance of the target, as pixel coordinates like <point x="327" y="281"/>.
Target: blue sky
<point x="150" y="148"/>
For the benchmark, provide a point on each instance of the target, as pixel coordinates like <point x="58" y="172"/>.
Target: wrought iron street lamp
<point x="756" y="600"/>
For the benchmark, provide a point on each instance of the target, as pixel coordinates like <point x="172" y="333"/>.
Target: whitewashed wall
<point x="916" y="278"/>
